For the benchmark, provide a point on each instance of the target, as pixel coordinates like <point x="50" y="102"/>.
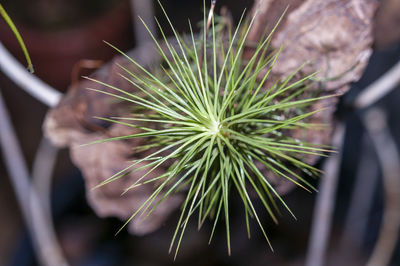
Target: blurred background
<point x="60" y="33"/>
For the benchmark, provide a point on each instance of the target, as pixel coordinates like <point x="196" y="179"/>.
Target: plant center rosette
<point x="214" y="117"/>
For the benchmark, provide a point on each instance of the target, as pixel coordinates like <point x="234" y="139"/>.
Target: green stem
<point x="14" y="29"/>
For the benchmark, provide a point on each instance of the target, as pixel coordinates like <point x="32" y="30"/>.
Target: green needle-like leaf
<point x="14" y="29"/>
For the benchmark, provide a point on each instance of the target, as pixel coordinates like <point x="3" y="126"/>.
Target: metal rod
<point x="27" y="81"/>
<point x="389" y="159"/>
<point x="42" y="232"/>
<point x="144" y="9"/>
<point x="325" y="202"/>
<point x="379" y="88"/>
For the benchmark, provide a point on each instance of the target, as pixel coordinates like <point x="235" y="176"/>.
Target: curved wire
<point x="26" y="81"/>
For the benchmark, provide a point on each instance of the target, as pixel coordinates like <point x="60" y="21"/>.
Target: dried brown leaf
<point x="334" y="34"/>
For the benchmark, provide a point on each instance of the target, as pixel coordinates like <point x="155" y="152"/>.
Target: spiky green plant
<point x="14" y="29"/>
<point x="212" y="119"/>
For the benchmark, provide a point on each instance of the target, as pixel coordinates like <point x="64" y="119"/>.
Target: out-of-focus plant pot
<point x="54" y="53"/>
